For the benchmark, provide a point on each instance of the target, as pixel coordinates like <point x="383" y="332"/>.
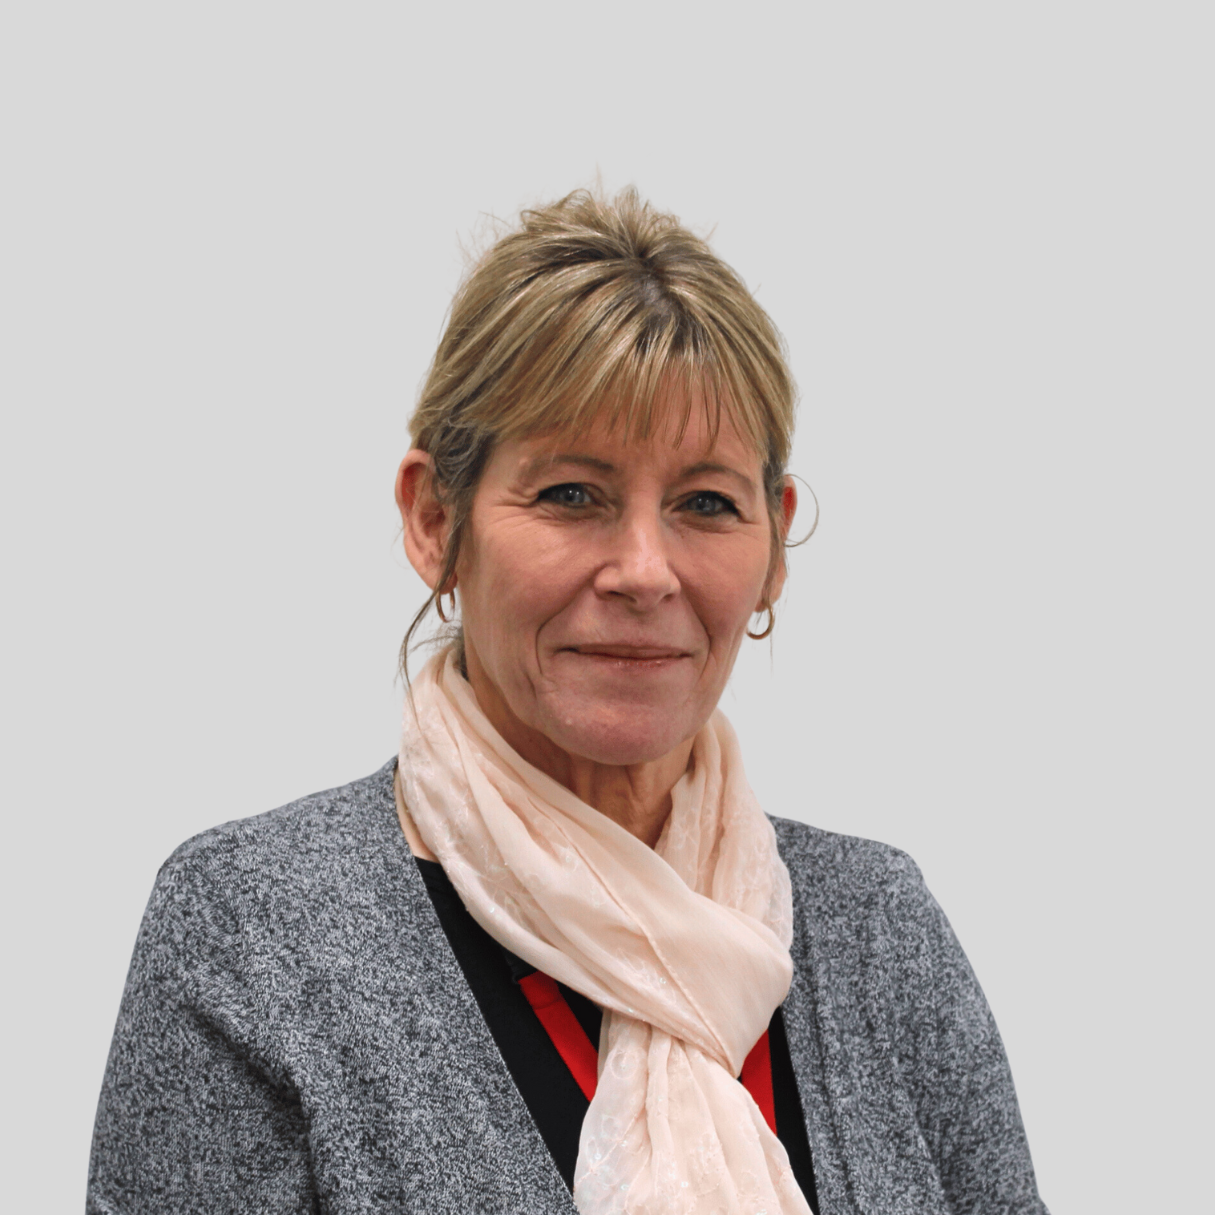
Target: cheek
<point x="515" y="578"/>
<point x="726" y="590"/>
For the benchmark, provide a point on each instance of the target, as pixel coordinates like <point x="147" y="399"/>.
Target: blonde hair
<point x="591" y="307"/>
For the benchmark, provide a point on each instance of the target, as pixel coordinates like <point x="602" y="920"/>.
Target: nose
<point x="638" y="567"/>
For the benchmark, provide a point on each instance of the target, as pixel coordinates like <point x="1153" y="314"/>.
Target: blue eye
<point x="570" y="494"/>
<point x="709" y="504"/>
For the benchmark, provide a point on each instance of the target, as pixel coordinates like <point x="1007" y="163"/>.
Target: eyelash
<point x="551" y="494"/>
<point x="727" y="507"/>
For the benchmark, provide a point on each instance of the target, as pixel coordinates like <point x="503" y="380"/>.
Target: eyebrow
<point x="538" y="464"/>
<point x="709" y="466"/>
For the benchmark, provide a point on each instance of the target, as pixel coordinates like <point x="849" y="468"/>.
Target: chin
<point x="621" y="735"/>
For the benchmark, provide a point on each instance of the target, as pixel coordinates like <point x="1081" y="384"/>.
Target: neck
<point x="636" y="796"/>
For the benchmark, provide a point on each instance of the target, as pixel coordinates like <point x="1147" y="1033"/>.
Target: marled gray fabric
<point x="297" y="1036"/>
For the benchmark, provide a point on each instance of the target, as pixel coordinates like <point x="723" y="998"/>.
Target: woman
<point x="604" y="980"/>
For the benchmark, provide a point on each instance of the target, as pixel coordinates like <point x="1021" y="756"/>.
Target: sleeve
<point x="192" y="1117"/>
<point x="954" y="1066"/>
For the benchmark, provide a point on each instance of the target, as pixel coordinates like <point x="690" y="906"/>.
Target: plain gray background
<point x="229" y="236"/>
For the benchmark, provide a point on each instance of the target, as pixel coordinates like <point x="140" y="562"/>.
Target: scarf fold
<point x="685" y="946"/>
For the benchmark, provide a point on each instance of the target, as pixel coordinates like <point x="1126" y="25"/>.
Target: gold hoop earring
<point x="443" y="616"/>
<point x="768" y="630"/>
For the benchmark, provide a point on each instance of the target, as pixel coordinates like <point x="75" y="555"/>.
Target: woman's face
<point x="605" y="586"/>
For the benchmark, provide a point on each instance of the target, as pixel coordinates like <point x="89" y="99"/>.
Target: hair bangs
<point x="628" y="364"/>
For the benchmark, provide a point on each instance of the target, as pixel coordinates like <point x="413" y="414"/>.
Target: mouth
<point x="639" y="657"/>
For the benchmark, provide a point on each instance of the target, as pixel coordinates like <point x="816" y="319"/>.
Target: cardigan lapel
<point x="806" y="1050"/>
<point x="869" y="1156"/>
<point x="464" y="1106"/>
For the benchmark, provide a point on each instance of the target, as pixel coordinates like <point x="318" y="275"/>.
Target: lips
<point x="634" y="653"/>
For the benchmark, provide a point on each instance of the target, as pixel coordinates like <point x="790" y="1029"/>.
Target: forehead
<point x="680" y="432"/>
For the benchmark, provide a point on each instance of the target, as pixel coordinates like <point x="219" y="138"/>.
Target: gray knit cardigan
<point x="296" y="1035"/>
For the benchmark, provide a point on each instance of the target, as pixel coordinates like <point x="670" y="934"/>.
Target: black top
<point x="556" y="1103"/>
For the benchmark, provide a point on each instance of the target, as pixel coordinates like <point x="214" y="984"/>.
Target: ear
<point x="424" y="519"/>
<point x="776" y="580"/>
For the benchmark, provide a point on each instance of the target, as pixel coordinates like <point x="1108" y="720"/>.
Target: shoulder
<point x="867" y="926"/>
<point x="318" y="852"/>
<point x="305" y="835"/>
<point x="846" y="871"/>
<point x="861" y="908"/>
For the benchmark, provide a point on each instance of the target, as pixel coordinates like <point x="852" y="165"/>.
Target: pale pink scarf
<point x="685" y="946"/>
